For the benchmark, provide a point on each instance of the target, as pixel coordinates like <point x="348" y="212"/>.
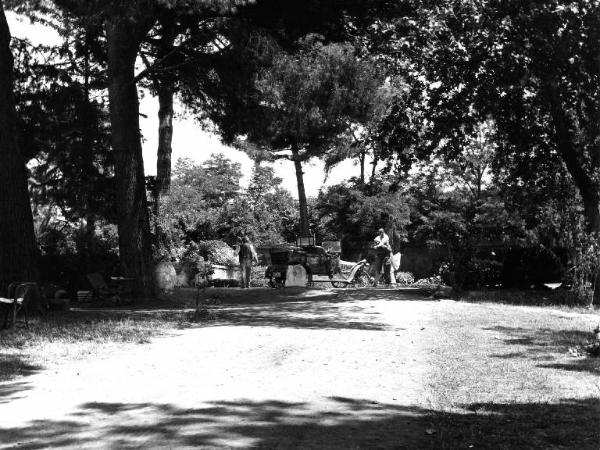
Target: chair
<point x="102" y="290"/>
<point x="22" y="296"/>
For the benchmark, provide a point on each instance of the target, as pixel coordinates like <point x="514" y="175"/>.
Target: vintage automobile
<point x="318" y="261"/>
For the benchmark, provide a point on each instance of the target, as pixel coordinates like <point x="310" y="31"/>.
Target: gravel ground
<point x="316" y="369"/>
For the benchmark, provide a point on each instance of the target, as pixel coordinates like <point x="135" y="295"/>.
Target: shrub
<point x="257" y="277"/>
<point x="188" y="262"/>
<point x="429" y="282"/>
<point x="217" y="252"/>
<point x="405" y="278"/>
<point x="527" y="266"/>
<point x="483" y="272"/>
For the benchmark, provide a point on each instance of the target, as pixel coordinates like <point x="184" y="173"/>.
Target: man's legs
<point x="243" y="273"/>
<point x="377" y="269"/>
<point x="248" y="272"/>
<point x="246" y="269"/>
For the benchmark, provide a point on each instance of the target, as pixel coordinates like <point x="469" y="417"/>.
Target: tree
<point x="460" y="223"/>
<point x="531" y="66"/>
<point x="207" y="203"/>
<point x="273" y="208"/>
<point x="185" y="47"/>
<point x="126" y="25"/>
<point x="63" y="125"/>
<point x="362" y="140"/>
<point x="474" y="164"/>
<point x="305" y="102"/>
<point x="353" y="213"/>
<point x="17" y="241"/>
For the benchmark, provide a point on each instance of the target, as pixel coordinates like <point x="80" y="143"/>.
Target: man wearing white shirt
<point x="382" y="246"/>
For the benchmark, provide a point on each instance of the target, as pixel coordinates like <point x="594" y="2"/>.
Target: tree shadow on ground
<point x="290" y="307"/>
<point x="570" y="423"/>
<point x="10" y="391"/>
<point x="343" y="423"/>
<point x="13" y="365"/>
<point x="545" y="343"/>
<point x="300" y="314"/>
<point x="310" y="309"/>
<point x="188" y="296"/>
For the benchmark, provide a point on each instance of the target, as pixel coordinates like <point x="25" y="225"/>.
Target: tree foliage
<point x="529" y="65"/>
<point x="207" y="203"/>
<point x="64" y="128"/>
<point x="354" y="214"/>
<point x="305" y="104"/>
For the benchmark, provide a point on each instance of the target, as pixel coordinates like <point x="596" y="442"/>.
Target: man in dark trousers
<point x="247" y="255"/>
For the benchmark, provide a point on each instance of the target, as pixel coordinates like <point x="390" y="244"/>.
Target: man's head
<point x="380" y="232"/>
<point x="245" y="240"/>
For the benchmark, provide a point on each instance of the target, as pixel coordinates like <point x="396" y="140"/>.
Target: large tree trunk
<point x="573" y="159"/>
<point x="585" y="180"/>
<point x="361" y="158"/>
<point x="304" y="227"/>
<point x="135" y="246"/>
<point x="164" y="86"/>
<point x="591" y="210"/>
<point x="88" y="123"/>
<point x="17" y="239"/>
<point x="165" y="138"/>
<point x="374" y="168"/>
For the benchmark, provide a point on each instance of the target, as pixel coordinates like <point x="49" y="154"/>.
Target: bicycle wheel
<point x="363" y="280"/>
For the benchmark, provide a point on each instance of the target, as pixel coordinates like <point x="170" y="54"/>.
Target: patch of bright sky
<point x="189" y="139"/>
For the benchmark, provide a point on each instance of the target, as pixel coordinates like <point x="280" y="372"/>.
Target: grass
<point x="72" y="335"/>
<point x="502" y="377"/>
<point x="534" y="297"/>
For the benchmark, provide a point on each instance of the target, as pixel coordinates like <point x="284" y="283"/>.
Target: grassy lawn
<point x="63" y="336"/>
<point x="503" y="377"/>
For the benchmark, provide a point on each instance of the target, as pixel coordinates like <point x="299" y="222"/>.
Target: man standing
<point x="383" y="249"/>
<point x="246" y="255"/>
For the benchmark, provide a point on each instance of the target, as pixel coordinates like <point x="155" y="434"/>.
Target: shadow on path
<point x="287" y="308"/>
<point x="11" y="391"/>
<point x="344" y="423"/>
<point x="11" y="366"/>
<point x="301" y="314"/>
<point x="306" y="308"/>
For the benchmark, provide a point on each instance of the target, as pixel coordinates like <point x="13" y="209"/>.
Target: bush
<point x="429" y="282"/>
<point x="405" y="278"/>
<point x="257" y="277"/>
<point x="483" y="273"/>
<point x="217" y="252"/>
<point x="188" y="262"/>
<point x="530" y="266"/>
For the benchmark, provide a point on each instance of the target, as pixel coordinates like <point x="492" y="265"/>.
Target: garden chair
<point x="102" y="290"/>
<point x="22" y="298"/>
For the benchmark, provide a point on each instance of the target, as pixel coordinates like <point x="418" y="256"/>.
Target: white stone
<point x="296" y="276"/>
<point x="165" y="276"/>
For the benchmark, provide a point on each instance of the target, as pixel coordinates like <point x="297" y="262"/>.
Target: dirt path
<point x="293" y="374"/>
<point x="315" y="369"/>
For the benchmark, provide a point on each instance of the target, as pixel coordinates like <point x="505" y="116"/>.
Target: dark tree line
<point x="17" y="241"/>
<point x="395" y="82"/>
